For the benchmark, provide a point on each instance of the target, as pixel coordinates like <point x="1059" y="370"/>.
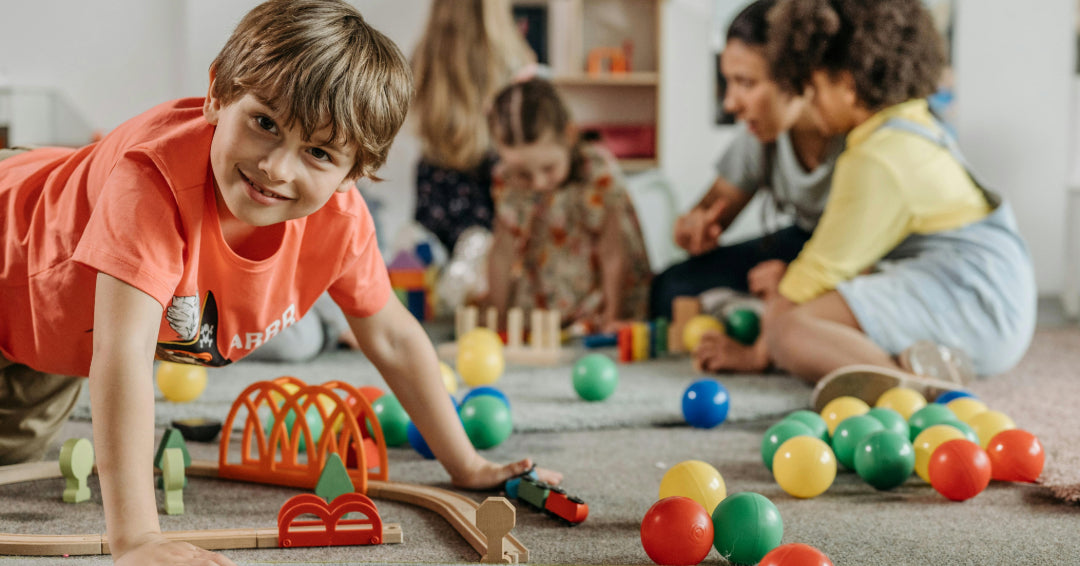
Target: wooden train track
<point x="458" y="510"/>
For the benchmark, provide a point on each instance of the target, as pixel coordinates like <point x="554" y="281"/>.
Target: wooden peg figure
<point x="172" y="479"/>
<point x="76" y="463"/>
<point x="495" y="518"/>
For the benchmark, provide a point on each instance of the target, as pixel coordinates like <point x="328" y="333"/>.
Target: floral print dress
<point x="556" y="240"/>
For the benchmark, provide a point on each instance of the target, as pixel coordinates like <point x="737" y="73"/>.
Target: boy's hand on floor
<point x="489" y="475"/>
<point x="160" y="551"/>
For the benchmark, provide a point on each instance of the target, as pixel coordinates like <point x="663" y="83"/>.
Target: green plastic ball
<point x="929" y="416"/>
<point x="746" y="526"/>
<point x="813" y="420"/>
<point x="743" y="325"/>
<point x="393" y="419"/>
<point x="892" y="420"/>
<point x="486" y="420"/>
<point x="884" y="459"/>
<point x="314" y="422"/>
<point x="595" y="377"/>
<point x="778" y="434"/>
<point x="849" y="433"/>
<point x="969" y="433"/>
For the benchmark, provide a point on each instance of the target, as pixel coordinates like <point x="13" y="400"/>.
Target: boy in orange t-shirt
<point x="199" y="230"/>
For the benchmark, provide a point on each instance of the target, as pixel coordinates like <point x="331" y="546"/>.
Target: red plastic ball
<point x="1015" y="455"/>
<point x="795" y="554"/>
<point x="959" y="469"/>
<point x="677" y="531"/>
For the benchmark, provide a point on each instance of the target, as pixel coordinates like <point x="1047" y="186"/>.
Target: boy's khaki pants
<point x="33" y="408"/>
<point x="33" y="405"/>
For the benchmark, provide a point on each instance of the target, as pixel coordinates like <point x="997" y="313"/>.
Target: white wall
<point x="110" y="60"/>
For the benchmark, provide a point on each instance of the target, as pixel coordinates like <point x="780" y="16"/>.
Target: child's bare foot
<point x="717" y="352"/>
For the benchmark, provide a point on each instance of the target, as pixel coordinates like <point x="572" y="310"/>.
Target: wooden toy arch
<point x="276" y="459"/>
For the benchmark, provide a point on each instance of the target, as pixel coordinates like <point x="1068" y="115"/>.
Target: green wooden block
<point x="334" y="480"/>
<point x="76" y="463"/>
<point x="173" y="480"/>
<point x="172" y="438"/>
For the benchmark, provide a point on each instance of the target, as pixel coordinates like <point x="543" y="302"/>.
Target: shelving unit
<point x="622" y="105"/>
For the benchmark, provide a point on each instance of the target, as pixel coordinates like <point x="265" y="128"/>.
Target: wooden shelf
<point x="638" y="165"/>
<point x="639" y="78"/>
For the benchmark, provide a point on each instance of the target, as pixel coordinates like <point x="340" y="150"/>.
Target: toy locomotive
<point x="547" y="498"/>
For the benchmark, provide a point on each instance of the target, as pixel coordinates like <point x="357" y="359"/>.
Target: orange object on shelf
<point x="613" y="57"/>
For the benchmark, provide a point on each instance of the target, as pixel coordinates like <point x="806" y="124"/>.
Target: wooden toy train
<point x="545" y="497"/>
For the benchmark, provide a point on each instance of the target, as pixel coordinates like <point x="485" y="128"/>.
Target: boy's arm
<point x="402" y="352"/>
<point x="126" y="323"/>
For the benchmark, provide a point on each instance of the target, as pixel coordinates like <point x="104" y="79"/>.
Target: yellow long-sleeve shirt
<point x="887" y="185"/>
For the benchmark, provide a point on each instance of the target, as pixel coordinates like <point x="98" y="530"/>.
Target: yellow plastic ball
<point x="965" y="408"/>
<point x="181" y="383"/>
<point x="841" y="408"/>
<point x="449" y="378"/>
<point x="480" y="336"/>
<point x="480" y="358"/>
<point x="696" y="327"/>
<point x="988" y="423"/>
<point x="928" y="441"/>
<point x="697" y="480"/>
<point x="804" y="466"/>
<point x="903" y="400"/>
<point x="289" y="388"/>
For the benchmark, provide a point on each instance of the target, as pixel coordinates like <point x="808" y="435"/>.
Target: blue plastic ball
<point x="485" y="390"/>
<point x="705" y="403"/>
<point x="416" y="440"/>
<point x="947" y="396"/>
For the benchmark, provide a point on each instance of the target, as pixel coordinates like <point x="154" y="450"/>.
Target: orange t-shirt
<point x="140" y="206"/>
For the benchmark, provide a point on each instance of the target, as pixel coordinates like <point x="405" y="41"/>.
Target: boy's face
<point x="267" y="173"/>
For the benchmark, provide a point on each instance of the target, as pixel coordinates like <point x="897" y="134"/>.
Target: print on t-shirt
<point x="197" y="332"/>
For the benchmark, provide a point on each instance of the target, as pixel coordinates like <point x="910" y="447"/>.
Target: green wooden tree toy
<point x="171" y="439"/>
<point x="334" y="479"/>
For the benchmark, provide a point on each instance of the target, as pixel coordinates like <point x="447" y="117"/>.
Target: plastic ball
<point x="486" y="390"/>
<point x="743" y="325"/>
<point x="884" y="459"/>
<point x="838" y="409"/>
<point x="677" y="531"/>
<point x="988" y="424"/>
<point x="969" y="433"/>
<point x="892" y="420"/>
<point x="804" y="467"/>
<point x="370" y="392"/>
<point x="181" y="383"/>
<point x="928" y="441"/>
<point x="314" y="422"/>
<point x="1015" y="455"/>
<point x="966" y="408"/>
<point x="449" y="378"/>
<point x="959" y="469"/>
<point x="812" y="420"/>
<point x="694" y="479"/>
<point x="416" y="440"/>
<point x="746" y="526"/>
<point x="778" y="434"/>
<point x="795" y="554"/>
<point x="903" y="400"/>
<point x="393" y="419"/>
<point x="705" y="403"/>
<point x="480" y="359"/>
<point x="486" y="420"/>
<point x="849" y="433"/>
<point x="595" y="377"/>
<point x="698" y="326"/>
<point x="949" y="396"/>
<point x="929" y="416"/>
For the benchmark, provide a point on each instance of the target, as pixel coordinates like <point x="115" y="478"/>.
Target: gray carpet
<point x="618" y="470"/>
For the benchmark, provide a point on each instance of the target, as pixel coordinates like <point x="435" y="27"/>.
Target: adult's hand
<point x="697" y="231"/>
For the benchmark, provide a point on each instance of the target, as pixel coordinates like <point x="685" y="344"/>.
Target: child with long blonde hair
<point x="470" y="49"/>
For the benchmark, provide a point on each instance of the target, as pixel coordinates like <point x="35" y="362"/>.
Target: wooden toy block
<point x="172" y="438"/>
<point x="536" y="325"/>
<point x="682" y="310"/>
<point x="495" y="518"/>
<point x="76" y="463"/>
<point x="626" y="343"/>
<point x="491" y="319"/>
<point x="660" y="337"/>
<point x="515" y="327"/>
<point x="552" y="329"/>
<point x="640" y="333"/>
<point x="464" y="320"/>
<point x="334" y="481"/>
<point x="173" y="480"/>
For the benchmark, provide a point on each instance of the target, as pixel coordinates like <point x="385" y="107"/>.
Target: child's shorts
<point x="972" y="288"/>
<point x="33" y="408"/>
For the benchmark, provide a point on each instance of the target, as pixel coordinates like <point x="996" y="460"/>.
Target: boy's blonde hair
<point x="320" y="65"/>
<point x="469" y="50"/>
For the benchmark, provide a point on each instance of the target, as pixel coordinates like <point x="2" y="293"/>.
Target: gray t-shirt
<point x="796" y="191"/>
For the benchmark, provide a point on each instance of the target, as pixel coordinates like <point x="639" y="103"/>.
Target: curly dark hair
<point x="891" y="47"/>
